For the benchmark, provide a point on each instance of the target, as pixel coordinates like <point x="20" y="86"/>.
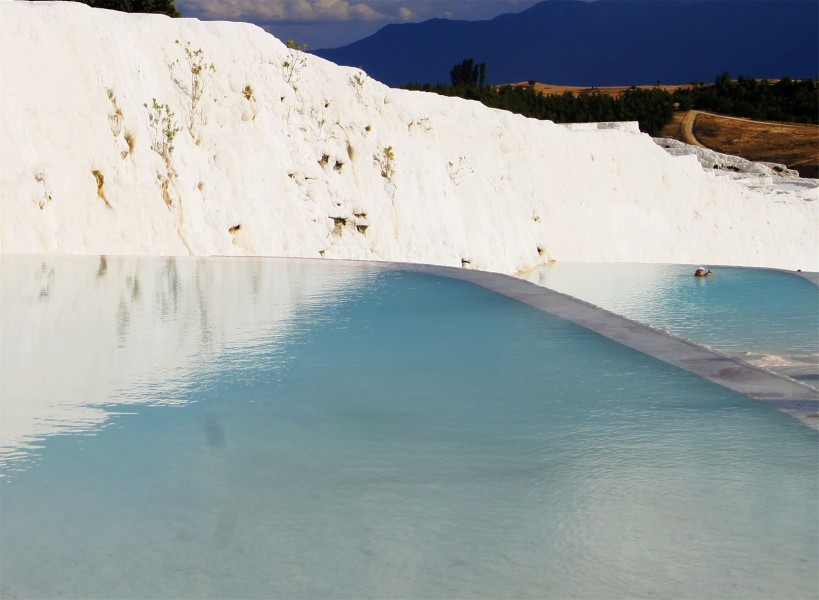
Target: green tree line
<point x="164" y="7"/>
<point x="652" y="109"/>
<point x="785" y="100"/>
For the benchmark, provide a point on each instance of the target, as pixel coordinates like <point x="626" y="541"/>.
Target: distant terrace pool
<point x="768" y="317"/>
<point x="212" y="428"/>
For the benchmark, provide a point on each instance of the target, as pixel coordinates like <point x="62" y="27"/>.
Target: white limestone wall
<point x="293" y="170"/>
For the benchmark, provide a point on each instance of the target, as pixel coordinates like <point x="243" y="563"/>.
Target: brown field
<point x="547" y="88"/>
<point x="674" y="128"/>
<point x="790" y="144"/>
<point x="794" y="145"/>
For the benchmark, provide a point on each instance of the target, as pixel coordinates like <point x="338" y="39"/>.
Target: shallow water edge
<point x="785" y="394"/>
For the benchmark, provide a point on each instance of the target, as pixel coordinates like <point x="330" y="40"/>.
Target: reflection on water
<point x="353" y="432"/>
<point x="82" y="335"/>
<point x="766" y="317"/>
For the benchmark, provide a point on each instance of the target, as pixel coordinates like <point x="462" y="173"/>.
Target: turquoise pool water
<point x="767" y="314"/>
<point x="263" y="428"/>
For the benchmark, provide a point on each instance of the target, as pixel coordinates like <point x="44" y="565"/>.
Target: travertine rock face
<point x="710" y="159"/>
<point x="253" y="157"/>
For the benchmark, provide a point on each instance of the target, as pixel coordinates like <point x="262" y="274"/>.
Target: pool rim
<point x="788" y="395"/>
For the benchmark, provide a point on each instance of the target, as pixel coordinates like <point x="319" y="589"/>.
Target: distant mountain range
<point x="617" y="42"/>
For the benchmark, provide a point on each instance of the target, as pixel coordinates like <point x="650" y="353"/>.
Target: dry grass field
<point x="791" y="144"/>
<point x="546" y="88"/>
<point x="794" y="145"/>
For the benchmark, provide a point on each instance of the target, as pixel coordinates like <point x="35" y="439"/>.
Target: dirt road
<point x="687" y="128"/>
<point x="793" y="144"/>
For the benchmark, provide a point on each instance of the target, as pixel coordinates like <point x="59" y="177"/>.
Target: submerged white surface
<point x="73" y="331"/>
<point x="394" y="434"/>
<point x="270" y="167"/>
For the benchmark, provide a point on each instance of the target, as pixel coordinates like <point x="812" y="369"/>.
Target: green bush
<point x="164" y="7"/>
<point x="786" y="100"/>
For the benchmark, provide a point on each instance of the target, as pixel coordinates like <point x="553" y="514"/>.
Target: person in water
<point x="701" y="272"/>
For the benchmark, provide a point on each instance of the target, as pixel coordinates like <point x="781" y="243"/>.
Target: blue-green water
<point x="343" y="431"/>
<point x="756" y="310"/>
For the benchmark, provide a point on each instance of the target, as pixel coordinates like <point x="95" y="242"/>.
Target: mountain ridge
<point x="628" y="42"/>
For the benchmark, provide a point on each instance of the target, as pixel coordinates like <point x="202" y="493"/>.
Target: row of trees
<point x="164" y="7"/>
<point x="468" y="74"/>
<point x="784" y="100"/>
<point x="652" y="109"/>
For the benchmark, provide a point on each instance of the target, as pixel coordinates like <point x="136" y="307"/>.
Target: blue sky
<point x="333" y="23"/>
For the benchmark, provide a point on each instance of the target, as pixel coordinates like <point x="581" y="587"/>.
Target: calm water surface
<point x="263" y="428"/>
<point x="735" y="309"/>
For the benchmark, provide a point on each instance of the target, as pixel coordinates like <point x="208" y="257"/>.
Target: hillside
<point x="107" y="150"/>
<point x="601" y="43"/>
<point x="794" y="145"/>
<point x="791" y="144"/>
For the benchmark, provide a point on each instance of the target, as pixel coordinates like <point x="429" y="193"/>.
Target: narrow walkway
<point x="785" y="394"/>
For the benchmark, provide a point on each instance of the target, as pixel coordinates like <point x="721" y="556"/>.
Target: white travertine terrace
<point x="267" y="166"/>
<point x="328" y="164"/>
